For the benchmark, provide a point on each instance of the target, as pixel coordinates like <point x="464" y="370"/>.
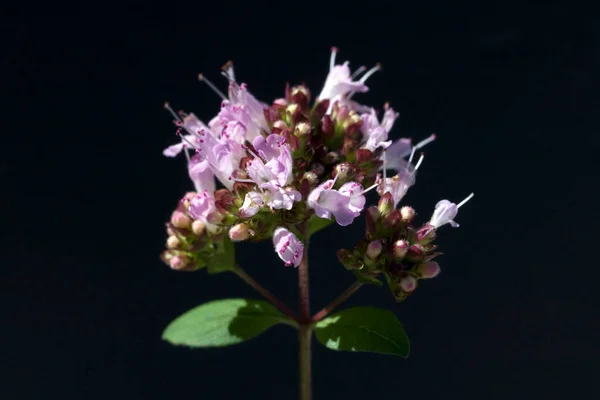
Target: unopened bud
<point x="179" y="262"/>
<point x="311" y="177"/>
<point x="408" y="213"/>
<point x="173" y="242"/>
<point x="280" y="104"/>
<point x="400" y="249"/>
<point x="428" y="270"/>
<point x="393" y="220"/>
<point x="180" y="220"/>
<point x="425" y="234"/>
<point x="292" y="108"/>
<point x="302" y="129"/>
<point x="386" y="203"/>
<point x="408" y="283"/>
<point x="280" y="124"/>
<point x="374" y="249"/>
<point x="198" y="227"/>
<point x="239" y="232"/>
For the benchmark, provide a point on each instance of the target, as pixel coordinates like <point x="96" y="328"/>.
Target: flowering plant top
<point x="282" y="171"/>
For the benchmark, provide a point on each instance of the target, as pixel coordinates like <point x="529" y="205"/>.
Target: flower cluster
<point x="282" y="164"/>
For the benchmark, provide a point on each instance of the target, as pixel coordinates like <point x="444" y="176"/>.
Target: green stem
<point x="337" y="301"/>
<point x="265" y="293"/>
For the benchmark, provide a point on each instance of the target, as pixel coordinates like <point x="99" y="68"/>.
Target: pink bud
<point x="400" y="249"/>
<point x="239" y="232"/>
<point x="408" y="213"/>
<point x="428" y="270"/>
<point x="179" y="262"/>
<point x="408" y="283"/>
<point x="280" y="124"/>
<point x="180" y="220"/>
<point x="374" y="249"/>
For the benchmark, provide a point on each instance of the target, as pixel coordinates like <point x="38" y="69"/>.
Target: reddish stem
<point x="337" y="301"/>
<point x="266" y="294"/>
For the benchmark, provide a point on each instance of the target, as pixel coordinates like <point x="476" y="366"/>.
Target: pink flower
<point x="288" y="247"/>
<point x="192" y="125"/>
<point x="400" y="149"/>
<point x="375" y="134"/>
<point x="344" y="204"/>
<point x="339" y="80"/>
<point x="252" y="204"/>
<point x="398" y="185"/>
<point x="203" y="208"/>
<point x="201" y="174"/>
<point x="445" y="211"/>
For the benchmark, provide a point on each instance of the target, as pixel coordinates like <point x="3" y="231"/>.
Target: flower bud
<point x="400" y="249"/>
<point x="173" y="242"/>
<point x="386" y="203"/>
<point x="280" y="124"/>
<point x="393" y="220"/>
<point x="425" y="234"/>
<point x="239" y="232"/>
<point x="179" y="262"/>
<point x="301" y="96"/>
<point x="408" y="213"/>
<point x="415" y="253"/>
<point x="302" y="129"/>
<point x="374" y="249"/>
<point x="180" y="220"/>
<point x="428" y="270"/>
<point x="280" y="104"/>
<point x="408" y="283"/>
<point x="198" y="227"/>
<point x="311" y="177"/>
<point x="331" y="157"/>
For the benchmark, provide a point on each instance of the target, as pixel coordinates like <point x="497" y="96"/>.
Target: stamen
<point x="421" y="144"/>
<point x="412" y="154"/>
<point x="360" y="70"/>
<point x="469" y="197"/>
<point x="212" y="86"/>
<point x="187" y="155"/>
<point x="419" y="162"/>
<point x="370" y="72"/>
<point x="173" y="113"/>
<point x="227" y="71"/>
<point x="367" y="190"/>
<point x="253" y="153"/>
<point x="187" y="141"/>
<point x="334" y="51"/>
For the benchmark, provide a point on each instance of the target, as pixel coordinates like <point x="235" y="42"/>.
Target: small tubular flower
<point x="339" y="80"/>
<point x="375" y="134"/>
<point x="445" y="211"/>
<point x="288" y="247"/>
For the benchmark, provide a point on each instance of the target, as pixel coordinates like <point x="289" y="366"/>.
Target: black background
<point x="510" y="90"/>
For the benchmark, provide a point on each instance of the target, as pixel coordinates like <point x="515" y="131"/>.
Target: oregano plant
<point x="282" y="172"/>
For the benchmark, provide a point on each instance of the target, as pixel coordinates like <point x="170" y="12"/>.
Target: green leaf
<point x="224" y="259"/>
<point x="365" y="329"/>
<point x="223" y="323"/>
<point x="315" y="224"/>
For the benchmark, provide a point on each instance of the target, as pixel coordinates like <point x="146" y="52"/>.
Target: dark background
<point x="510" y="90"/>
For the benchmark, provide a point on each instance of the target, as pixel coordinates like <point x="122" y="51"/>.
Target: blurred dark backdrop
<point x="510" y="90"/>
